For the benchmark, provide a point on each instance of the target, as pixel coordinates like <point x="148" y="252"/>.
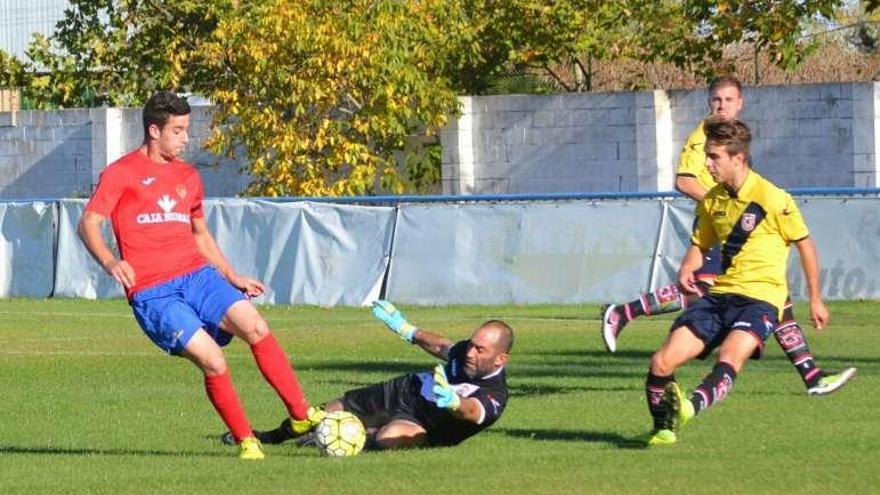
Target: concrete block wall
<point x="45" y="154"/>
<point x="515" y="144"/>
<point x="60" y="154"/>
<point x="803" y="135"/>
<point x="815" y="135"/>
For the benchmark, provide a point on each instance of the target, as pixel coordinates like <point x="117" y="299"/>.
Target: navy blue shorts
<point x="714" y="316"/>
<point x="711" y="266"/>
<point x="170" y="313"/>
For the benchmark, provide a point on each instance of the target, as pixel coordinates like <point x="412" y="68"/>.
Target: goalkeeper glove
<point x="392" y="317"/>
<point x="446" y="396"/>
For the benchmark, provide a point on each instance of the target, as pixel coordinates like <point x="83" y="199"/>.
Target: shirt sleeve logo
<point x="748" y="222"/>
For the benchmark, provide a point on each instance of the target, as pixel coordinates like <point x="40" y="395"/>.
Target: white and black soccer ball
<point x="340" y="434"/>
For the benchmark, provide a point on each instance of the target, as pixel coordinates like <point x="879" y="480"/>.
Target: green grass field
<point x="88" y="405"/>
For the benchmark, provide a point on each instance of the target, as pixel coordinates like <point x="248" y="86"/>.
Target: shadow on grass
<point x="843" y="361"/>
<point x="14" y="449"/>
<point x="387" y="367"/>
<point x="584" y="353"/>
<point x="530" y="390"/>
<point x="605" y="437"/>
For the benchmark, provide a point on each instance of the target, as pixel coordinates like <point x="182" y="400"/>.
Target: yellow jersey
<point x="692" y="161"/>
<point x="755" y="227"/>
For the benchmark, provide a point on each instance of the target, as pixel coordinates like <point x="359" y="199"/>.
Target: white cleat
<point x="611" y="325"/>
<point x="830" y="383"/>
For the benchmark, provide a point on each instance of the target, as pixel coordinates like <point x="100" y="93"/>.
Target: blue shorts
<point x="711" y="266"/>
<point x="170" y="313"/>
<point x="714" y="316"/>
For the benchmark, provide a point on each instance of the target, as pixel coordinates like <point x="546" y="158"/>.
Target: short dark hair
<point x="724" y="81"/>
<point x="160" y="107"/>
<point x="505" y="334"/>
<point x="734" y="135"/>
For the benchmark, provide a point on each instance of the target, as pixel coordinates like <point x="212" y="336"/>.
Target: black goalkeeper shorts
<point x="380" y="403"/>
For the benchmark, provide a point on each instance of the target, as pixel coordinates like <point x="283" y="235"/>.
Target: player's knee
<point x="399" y="439"/>
<point x="214" y="365"/>
<point x="661" y="365"/>
<point x="255" y="330"/>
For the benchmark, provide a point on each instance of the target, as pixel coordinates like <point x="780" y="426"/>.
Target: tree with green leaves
<point x="321" y="98"/>
<point x="345" y="97"/>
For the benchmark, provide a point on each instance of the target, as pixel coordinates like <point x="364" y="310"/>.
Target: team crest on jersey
<point x="748" y="222"/>
<point x="181" y="191"/>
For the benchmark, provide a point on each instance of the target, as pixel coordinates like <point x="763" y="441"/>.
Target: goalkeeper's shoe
<point x="829" y="383"/>
<point x="251" y="450"/>
<point x="612" y="324"/>
<point x="679" y="407"/>
<point x="660" y="437"/>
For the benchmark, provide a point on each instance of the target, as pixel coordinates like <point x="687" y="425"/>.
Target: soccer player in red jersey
<point x="184" y="294"/>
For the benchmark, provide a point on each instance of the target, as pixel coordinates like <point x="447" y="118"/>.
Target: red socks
<point x="222" y="395"/>
<point x="277" y="370"/>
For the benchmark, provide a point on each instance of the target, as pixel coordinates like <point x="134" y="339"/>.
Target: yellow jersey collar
<point x="747" y="187"/>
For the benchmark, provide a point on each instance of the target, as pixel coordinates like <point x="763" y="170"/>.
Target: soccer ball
<point x="340" y="434"/>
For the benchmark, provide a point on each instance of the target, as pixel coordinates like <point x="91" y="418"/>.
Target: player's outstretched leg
<point x="791" y="338"/>
<point x="204" y="352"/>
<point x="666" y="299"/>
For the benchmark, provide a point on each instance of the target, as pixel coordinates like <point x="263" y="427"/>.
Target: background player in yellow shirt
<point x="754" y="222"/>
<point x="694" y="180"/>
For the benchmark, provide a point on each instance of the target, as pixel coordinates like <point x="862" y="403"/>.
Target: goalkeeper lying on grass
<point x="443" y="406"/>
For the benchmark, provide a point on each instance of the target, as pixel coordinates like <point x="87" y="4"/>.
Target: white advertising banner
<point x="537" y="252"/>
<point x="847" y="235"/>
<point x="449" y="253"/>
<point x="27" y="241"/>
<point x="77" y="274"/>
<point x="307" y="253"/>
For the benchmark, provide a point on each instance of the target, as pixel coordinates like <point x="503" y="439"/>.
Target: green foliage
<point x="117" y="52"/>
<point x="326" y="98"/>
<point x="860" y="26"/>
<point x="323" y="109"/>
<point x="692" y="34"/>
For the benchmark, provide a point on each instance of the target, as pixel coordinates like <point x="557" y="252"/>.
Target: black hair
<point x="160" y="107"/>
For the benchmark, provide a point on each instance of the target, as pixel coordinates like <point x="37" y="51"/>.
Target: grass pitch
<point x="88" y="405"/>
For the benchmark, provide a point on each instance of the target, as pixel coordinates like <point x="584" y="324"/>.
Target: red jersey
<point x="150" y="205"/>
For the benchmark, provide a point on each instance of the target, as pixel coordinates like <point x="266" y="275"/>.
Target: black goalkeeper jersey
<point x="442" y="427"/>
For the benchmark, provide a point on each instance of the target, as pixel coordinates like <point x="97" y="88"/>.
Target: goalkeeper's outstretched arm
<point x="433" y="343"/>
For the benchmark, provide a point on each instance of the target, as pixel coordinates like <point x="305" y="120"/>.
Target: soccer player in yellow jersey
<point x="694" y="180"/>
<point x="754" y="222"/>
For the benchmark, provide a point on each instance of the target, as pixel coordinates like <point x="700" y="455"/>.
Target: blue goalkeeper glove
<point x="392" y="317"/>
<point x="446" y="396"/>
